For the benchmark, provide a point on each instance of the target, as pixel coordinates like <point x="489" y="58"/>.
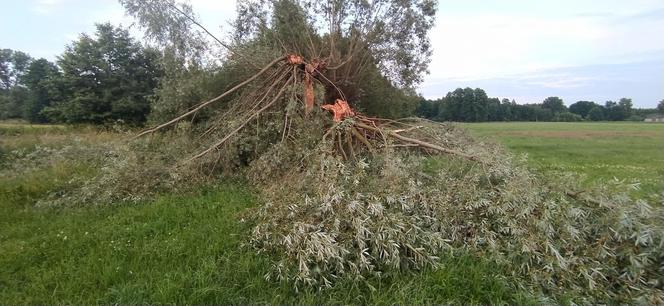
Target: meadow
<point x="596" y="151"/>
<point x="189" y="248"/>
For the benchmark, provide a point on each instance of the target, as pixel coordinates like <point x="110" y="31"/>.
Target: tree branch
<point x="420" y="143"/>
<point x="206" y="103"/>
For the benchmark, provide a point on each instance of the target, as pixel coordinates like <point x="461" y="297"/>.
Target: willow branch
<point x="420" y="143"/>
<point x="251" y="117"/>
<point x="200" y="26"/>
<point x="206" y="103"/>
<point x="363" y="139"/>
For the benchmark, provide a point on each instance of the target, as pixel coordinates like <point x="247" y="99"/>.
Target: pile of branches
<point x="327" y="219"/>
<point x="349" y="195"/>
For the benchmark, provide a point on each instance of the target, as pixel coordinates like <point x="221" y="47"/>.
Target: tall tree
<point x="374" y="53"/>
<point x="108" y="77"/>
<point x="168" y="25"/>
<point x="355" y="34"/>
<point x="582" y="108"/>
<point x="189" y="60"/>
<point x="465" y="104"/>
<point x="5" y="68"/>
<point x="611" y="111"/>
<point x="506" y="112"/>
<point x="13" y="91"/>
<point x="660" y="106"/>
<point x="554" y="104"/>
<point x="618" y="111"/>
<point x="13" y="65"/>
<point x="42" y="80"/>
<point x="596" y="113"/>
<point x="625" y="105"/>
<point x="493" y="110"/>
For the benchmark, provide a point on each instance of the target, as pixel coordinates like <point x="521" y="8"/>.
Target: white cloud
<point x="490" y="45"/>
<point x="213" y="5"/>
<point x="45" y="7"/>
<point x="507" y="38"/>
<point x="563" y="81"/>
<point x="215" y="15"/>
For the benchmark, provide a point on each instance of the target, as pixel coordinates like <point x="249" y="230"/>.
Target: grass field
<point x="188" y="248"/>
<point x="598" y="151"/>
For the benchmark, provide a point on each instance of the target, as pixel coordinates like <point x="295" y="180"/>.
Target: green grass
<point x="184" y="249"/>
<point x="597" y="151"/>
<point x="189" y="249"/>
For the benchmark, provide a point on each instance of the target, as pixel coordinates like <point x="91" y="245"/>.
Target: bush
<point x="596" y="114"/>
<point x="567" y="117"/>
<point x="636" y="118"/>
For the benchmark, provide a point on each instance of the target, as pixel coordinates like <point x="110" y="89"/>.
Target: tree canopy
<point x="473" y="105"/>
<point x="391" y="34"/>
<point x="13" y="91"/>
<point x="465" y="105"/>
<point x="582" y="108"/>
<point x="618" y="111"/>
<point x="42" y="81"/>
<point x="596" y="113"/>
<point x="106" y="77"/>
<point x="375" y="53"/>
<point x="555" y="104"/>
<point x="13" y="65"/>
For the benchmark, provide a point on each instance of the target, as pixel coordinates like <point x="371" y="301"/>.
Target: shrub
<point x="596" y="114"/>
<point x="567" y="117"/>
<point x="636" y="118"/>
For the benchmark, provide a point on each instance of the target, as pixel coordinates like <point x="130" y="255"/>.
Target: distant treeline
<point x="473" y="105"/>
<point x="110" y="77"/>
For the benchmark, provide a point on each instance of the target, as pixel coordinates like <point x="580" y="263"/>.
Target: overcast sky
<point x="528" y="50"/>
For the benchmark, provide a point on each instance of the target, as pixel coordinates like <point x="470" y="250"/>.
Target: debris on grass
<point x="354" y="196"/>
<point x="351" y="196"/>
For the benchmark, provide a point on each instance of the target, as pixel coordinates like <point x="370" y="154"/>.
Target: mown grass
<point x="185" y="249"/>
<point x="598" y="151"/>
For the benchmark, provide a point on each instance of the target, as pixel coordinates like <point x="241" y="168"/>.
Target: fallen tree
<point x="359" y="130"/>
<point x="348" y="195"/>
<point x="351" y="196"/>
